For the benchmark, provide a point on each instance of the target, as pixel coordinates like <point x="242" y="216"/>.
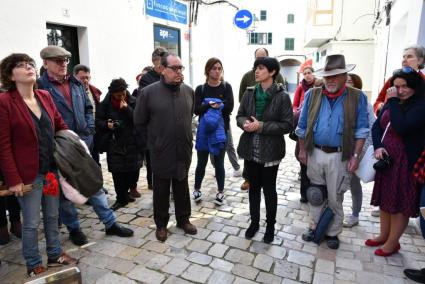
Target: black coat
<point x="149" y="78"/>
<point x="277" y="121"/>
<point x="408" y="121"/>
<point x="166" y="113"/>
<point x="123" y="154"/>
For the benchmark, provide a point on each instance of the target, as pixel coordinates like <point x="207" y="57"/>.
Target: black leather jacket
<point x="277" y="121"/>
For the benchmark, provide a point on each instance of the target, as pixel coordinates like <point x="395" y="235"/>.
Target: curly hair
<point x="117" y="85"/>
<point x="270" y="63"/>
<point x="6" y="68"/>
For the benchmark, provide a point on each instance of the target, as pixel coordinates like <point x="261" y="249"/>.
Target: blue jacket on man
<point x="79" y="118"/>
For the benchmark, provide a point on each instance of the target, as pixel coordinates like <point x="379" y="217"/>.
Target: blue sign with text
<point x="170" y="10"/>
<point x="243" y="19"/>
<point x="163" y="34"/>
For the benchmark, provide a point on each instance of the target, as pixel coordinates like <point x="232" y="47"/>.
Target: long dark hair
<point x="210" y="64"/>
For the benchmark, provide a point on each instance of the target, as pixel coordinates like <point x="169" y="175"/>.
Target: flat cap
<point x="53" y="51"/>
<point x="316" y="194"/>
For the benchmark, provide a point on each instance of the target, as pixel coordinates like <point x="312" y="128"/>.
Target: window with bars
<point x="261" y="38"/>
<point x="263" y="15"/>
<point x="289" y="43"/>
<point x="290" y="18"/>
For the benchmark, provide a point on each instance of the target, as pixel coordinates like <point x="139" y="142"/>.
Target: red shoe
<point x="372" y="243"/>
<point x="381" y="252"/>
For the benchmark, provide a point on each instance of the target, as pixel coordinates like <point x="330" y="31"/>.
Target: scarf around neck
<point x="332" y="96"/>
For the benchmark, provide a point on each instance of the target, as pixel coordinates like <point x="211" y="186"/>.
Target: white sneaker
<point x="197" y="195"/>
<point x="351" y="221"/>
<point x="219" y="199"/>
<point x="375" y="213"/>
<point x="237" y="173"/>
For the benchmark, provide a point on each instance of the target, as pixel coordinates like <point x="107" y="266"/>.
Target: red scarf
<point x="419" y="169"/>
<point x="332" y="96"/>
<point x="51" y="185"/>
<point x="117" y="103"/>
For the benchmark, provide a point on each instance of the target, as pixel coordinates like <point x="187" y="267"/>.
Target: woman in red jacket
<point x="28" y="122"/>
<point x="414" y="57"/>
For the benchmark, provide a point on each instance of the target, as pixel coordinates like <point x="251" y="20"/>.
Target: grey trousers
<point x="356" y="195"/>
<point x="328" y="169"/>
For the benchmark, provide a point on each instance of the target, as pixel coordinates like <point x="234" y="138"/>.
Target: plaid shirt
<point x="256" y="145"/>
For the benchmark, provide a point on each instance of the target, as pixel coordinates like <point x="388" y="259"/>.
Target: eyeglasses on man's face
<point x="176" y="67"/>
<point x="25" y="65"/>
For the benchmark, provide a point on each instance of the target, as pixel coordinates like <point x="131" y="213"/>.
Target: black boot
<point x="269" y="234"/>
<point x="77" y="237"/>
<point x="252" y="230"/>
<point x="415" y="275"/>
<point x="120" y="231"/>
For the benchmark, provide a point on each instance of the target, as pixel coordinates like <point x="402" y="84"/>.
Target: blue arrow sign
<point x="243" y="19"/>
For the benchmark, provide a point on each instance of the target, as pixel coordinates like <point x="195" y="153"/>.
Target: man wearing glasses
<point x="72" y="102"/>
<point x="165" y="109"/>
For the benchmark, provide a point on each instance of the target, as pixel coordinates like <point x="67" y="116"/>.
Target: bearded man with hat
<point x="71" y="100"/>
<point x="332" y="129"/>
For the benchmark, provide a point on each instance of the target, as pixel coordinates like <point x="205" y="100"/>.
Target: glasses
<point x="26" y="65"/>
<point x="61" y="61"/>
<point x="176" y="68"/>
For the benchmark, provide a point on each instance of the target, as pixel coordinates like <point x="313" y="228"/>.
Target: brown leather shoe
<point x="4" y="235"/>
<point x="188" y="228"/>
<point x="161" y="234"/>
<point x="134" y="193"/>
<point x="16" y="229"/>
<point x="245" y="185"/>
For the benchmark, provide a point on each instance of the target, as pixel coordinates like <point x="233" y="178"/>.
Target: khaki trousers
<point x="328" y="169"/>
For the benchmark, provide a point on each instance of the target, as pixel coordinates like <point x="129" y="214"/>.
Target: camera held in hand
<point x="383" y="164"/>
<point x="116" y="124"/>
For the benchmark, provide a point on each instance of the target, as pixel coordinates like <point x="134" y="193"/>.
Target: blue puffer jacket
<point x="79" y="118"/>
<point x="211" y="135"/>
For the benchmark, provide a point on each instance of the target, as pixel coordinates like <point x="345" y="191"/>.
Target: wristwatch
<point x="355" y="155"/>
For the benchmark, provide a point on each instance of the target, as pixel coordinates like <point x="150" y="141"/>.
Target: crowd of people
<point x="329" y="117"/>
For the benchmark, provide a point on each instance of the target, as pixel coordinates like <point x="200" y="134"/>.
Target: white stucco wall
<point x="116" y="38"/>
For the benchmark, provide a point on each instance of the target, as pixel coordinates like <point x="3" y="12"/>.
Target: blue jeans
<point x="30" y="204"/>
<point x="219" y="168"/>
<point x="69" y="214"/>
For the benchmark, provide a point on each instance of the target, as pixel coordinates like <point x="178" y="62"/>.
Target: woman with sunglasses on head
<point x="28" y="122"/>
<point x="398" y="134"/>
<point x="221" y="95"/>
<point x="413" y="57"/>
<point x="265" y="115"/>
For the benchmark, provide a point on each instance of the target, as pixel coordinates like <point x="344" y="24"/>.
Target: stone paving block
<point x="107" y="248"/>
<point x="306" y="274"/>
<point x="239" y="280"/>
<point x="369" y="277"/>
<point x="156" y="246"/>
<point x="111" y="278"/>
<point x="145" y="275"/>
<point x="263" y="262"/>
<point x="268" y="278"/>
<point x="221" y="264"/>
<point x="245" y="271"/>
<point x="325" y="266"/>
<point x="175" y="280"/>
<point x="285" y="269"/>
<point x="235" y="255"/>
<point x="202" y="234"/>
<point x="320" y="278"/>
<point x="157" y="261"/>
<point x="230" y="230"/>
<point x="290" y="281"/>
<point x="144" y="256"/>
<point x="240" y="243"/>
<point x="121" y="266"/>
<point x="96" y="260"/>
<point x="214" y="226"/>
<point x="178" y="241"/>
<point x="221" y="277"/>
<point x="217" y="237"/>
<point x="271" y="250"/>
<point x="218" y="250"/>
<point x="197" y="273"/>
<point x="349" y="264"/>
<point x="175" y="266"/>
<point x="301" y="258"/>
<point x="199" y="258"/>
<point x="345" y="275"/>
<point x="199" y="246"/>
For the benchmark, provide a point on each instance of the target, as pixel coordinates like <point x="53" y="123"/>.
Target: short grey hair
<point x="420" y="53"/>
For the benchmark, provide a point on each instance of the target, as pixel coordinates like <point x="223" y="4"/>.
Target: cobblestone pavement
<point x="219" y="253"/>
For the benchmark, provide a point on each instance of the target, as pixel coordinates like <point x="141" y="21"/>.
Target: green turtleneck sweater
<point x="261" y="98"/>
